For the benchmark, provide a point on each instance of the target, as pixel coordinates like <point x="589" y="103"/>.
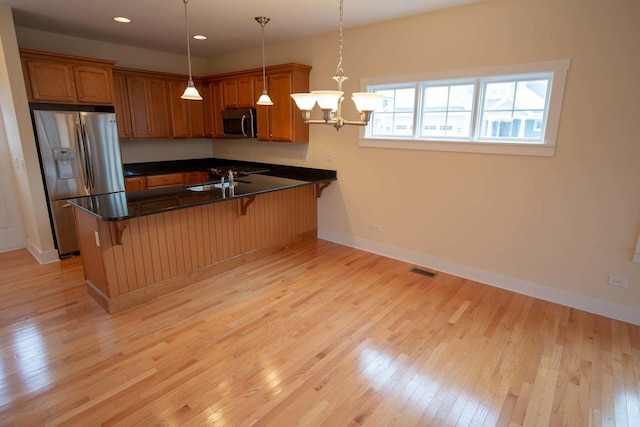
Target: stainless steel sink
<point x="204" y="187"/>
<point x="207" y="187"/>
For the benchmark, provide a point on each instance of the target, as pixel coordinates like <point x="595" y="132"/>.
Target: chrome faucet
<point x="232" y="190"/>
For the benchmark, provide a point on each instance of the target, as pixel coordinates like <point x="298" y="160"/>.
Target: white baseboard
<point x="543" y="292"/>
<point x="42" y="257"/>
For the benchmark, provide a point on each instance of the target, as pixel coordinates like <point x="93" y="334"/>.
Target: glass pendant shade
<point x="264" y="99"/>
<point x="327" y="99"/>
<point x="304" y="101"/>
<point x="191" y="93"/>
<point x="367" y="101"/>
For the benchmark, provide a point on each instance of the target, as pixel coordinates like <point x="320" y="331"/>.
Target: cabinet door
<point x="281" y="113"/>
<point x="179" y="110"/>
<point x="51" y="81"/>
<point x="239" y="92"/>
<point x="218" y="106"/>
<point x="135" y="183"/>
<point x="165" y="180"/>
<point x="158" y="106"/>
<point x="246" y="92"/>
<point x="140" y="122"/>
<point x="263" y="113"/>
<point x="196" y="115"/>
<point x="93" y="85"/>
<point x="121" y="106"/>
<point x="230" y="93"/>
<point x="195" y="177"/>
<point x="187" y="117"/>
<point x="213" y="97"/>
<point x="208" y="93"/>
<point x="149" y="106"/>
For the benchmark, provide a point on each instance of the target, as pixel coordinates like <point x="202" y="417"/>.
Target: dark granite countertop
<point x="205" y="164"/>
<point x="124" y="205"/>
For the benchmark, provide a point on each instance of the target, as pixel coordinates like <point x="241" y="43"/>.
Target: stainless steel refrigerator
<point x="80" y="156"/>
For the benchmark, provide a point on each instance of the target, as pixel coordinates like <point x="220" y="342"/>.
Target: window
<point x="512" y="109"/>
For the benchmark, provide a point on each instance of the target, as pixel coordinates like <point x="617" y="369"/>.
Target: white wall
<point x="553" y="227"/>
<point x="125" y="56"/>
<point x="21" y="144"/>
<point x="141" y="151"/>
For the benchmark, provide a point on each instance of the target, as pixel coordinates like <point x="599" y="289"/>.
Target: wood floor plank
<point x="317" y="334"/>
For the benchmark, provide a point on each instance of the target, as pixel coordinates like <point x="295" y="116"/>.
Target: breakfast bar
<point x="137" y="245"/>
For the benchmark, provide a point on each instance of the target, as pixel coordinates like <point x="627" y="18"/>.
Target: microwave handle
<point x="244" y="117"/>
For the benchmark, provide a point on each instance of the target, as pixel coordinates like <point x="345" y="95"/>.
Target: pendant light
<point x="330" y="101"/>
<point x="264" y="98"/>
<point x="190" y="93"/>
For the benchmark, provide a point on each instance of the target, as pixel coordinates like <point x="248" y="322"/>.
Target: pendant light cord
<point x="264" y="74"/>
<point x="186" y="23"/>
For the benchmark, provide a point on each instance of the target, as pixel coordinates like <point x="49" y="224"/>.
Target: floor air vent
<point x="423" y="272"/>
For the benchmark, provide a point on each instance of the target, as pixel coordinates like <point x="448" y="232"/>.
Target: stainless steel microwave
<point x="239" y="123"/>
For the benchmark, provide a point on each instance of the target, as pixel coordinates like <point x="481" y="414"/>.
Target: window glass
<point x="510" y="109"/>
<point x="514" y="110"/>
<point x="447" y="111"/>
<point x="396" y="117"/>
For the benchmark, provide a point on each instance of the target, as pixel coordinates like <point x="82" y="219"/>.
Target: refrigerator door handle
<point x="83" y="155"/>
<point x="87" y="157"/>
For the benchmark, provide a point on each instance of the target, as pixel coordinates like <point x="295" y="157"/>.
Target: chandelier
<point x="330" y="101"/>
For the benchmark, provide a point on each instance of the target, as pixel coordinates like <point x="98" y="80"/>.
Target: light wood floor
<point x="319" y="334"/>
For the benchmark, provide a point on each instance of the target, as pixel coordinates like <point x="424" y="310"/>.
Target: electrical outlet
<point x="328" y="156"/>
<point x="618" y="281"/>
<point x="376" y="227"/>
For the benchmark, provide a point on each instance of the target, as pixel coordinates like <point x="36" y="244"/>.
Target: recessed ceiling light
<point x="200" y="37"/>
<point x="122" y="19"/>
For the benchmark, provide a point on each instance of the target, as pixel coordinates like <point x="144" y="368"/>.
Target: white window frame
<point x="557" y="68"/>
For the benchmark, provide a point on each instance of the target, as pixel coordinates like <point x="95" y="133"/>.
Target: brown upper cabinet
<point x="239" y="92"/>
<point x="282" y="122"/>
<point x="213" y="103"/>
<point x="121" y="106"/>
<point x="142" y="104"/>
<point x="51" y="77"/>
<point x="187" y="117"/>
<point x="148" y="103"/>
<point x="149" y="106"/>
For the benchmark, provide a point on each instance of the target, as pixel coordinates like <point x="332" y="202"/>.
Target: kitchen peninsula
<point x="136" y="245"/>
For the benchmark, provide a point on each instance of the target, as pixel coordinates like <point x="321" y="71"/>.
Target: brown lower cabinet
<point x="144" y="182"/>
<point x="135" y="183"/>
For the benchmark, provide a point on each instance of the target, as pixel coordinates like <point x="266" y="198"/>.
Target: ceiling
<point x="229" y="25"/>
